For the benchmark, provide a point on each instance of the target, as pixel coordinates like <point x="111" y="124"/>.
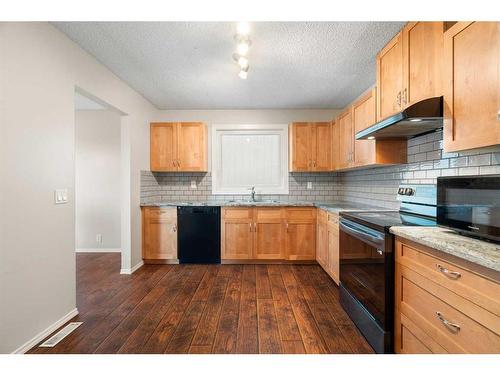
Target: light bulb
<point x="371" y="137"/>
<point x="243" y="62"/>
<point x="243" y="28"/>
<point x="242" y="48"/>
<point x="242" y="74"/>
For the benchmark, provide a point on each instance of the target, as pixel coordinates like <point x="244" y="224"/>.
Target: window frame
<point x="277" y="129"/>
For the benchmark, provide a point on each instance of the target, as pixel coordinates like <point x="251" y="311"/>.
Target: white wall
<point x="97" y="179"/>
<point x="39" y="69"/>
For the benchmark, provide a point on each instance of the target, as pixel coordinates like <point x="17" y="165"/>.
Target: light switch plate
<point x="309" y="185"/>
<point x="193" y="184"/>
<point x="61" y="196"/>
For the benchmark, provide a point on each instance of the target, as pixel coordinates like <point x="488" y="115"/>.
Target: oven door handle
<point x="370" y="237"/>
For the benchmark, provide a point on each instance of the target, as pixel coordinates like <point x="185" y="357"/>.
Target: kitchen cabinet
<point x="335" y="145"/>
<point x="237" y="235"/>
<point x="333" y="259"/>
<point x="409" y="67"/>
<point x="268" y="233"/>
<point x="178" y="147"/>
<point x="471" y="86"/>
<point x="310" y="146"/>
<point x="443" y="306"/>
<point x="322" y="238"/>
<point x="301" y="233"/>
<point x="159" y="234"/>
<point x="346" y="140"/>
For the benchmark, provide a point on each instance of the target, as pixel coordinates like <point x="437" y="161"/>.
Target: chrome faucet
<point x="252" y="192"/>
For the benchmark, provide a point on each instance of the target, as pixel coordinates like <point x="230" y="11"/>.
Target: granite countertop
<point x="484" y="253"/>
<point x="334" y="206"/>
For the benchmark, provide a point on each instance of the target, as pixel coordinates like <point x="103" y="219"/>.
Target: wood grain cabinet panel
<point x="346" y="139"/>
<point x="363" y="116"/>
<point x="301" y="241"/>
<point x="269" y="236"/>
<point x="335" y="145"/>
<point x="310" y="146"/>
<point x="178" y="147"/>
<point x="471" y="84"/>
<point x="159" y="234"/>
<point x="237" y="233"/>
<point x="390" y="78"/>
<point x="333" y="265"/>
<point x="322" y="238"/>
<point x="443" y="307"/>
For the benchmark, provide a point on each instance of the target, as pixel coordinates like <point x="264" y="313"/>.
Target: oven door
<point x="366" y="269"/>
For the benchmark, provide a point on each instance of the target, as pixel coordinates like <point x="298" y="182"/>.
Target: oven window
<point x="363" y="274"/>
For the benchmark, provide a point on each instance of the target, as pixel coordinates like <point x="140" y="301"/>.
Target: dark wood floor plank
<point x="309" y="332"/>
<point x="200" y="349"/>
<point x="139" y="337"/>
<point x="269" y="336"/>
<point x="207" y="328"/>
<point x="293" y="347"/>
<point x="226" y="336"/>
<point x="247" y="338"/>
<point x="262" y="282"/>
<point x="206" y="283"/>
<point x="181" y="340"/>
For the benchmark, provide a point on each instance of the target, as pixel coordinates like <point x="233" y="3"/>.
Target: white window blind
<point x="250" y="155"/>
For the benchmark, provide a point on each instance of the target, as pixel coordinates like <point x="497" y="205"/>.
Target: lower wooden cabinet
<point x="159" y="234"/>
<point x="327" y="243"/>
<point x="443" y="307"/>
<point x="268" y="233"/>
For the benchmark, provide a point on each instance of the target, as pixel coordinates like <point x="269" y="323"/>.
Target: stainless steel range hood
<point x="420" y="118"/>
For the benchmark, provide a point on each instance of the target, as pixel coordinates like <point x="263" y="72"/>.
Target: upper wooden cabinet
<point x="310" y="146"/>
<point x="335" y="145"/>
<point x="471" y="86"/>
<point x="346" y="140"/>
<point x="178" y="146"/>
<point x="409" y="67"/>
<point x="390" y="77"/>
<point x="353" y="153"/>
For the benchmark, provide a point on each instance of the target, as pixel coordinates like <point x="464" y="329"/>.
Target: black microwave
<point x="470" y="205"/>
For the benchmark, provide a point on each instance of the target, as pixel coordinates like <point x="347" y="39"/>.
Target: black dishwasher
<point x="198" y="237"/>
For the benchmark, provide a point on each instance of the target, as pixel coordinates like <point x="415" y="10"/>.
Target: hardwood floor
<point x="207" y="309"/>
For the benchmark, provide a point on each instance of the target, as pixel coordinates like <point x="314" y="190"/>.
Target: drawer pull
<point x="455" y="328"/>
<point x="451" y="274"/>
<point x="174" y="228"/>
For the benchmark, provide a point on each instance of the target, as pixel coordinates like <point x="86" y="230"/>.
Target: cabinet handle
<point x="455" y="328"/>
<point x="445" y="271"/>
<point x="398" y="99"/>
<point x="250" y="226"/>
<point x="174" y="228"/>
<point x="405" y="96"/>
<point x="255" y="227"/>
<point x="498" y="116"/>
<point x="314" y="163"/>
<point x="287" y="227"/>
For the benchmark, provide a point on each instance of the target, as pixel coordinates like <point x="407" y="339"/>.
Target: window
<point x="249" y="155"/>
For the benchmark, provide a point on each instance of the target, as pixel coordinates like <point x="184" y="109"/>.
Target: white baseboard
<point x="98" y="250"/>
<point x="46" y="332"/>
<point x="130" y="271"/>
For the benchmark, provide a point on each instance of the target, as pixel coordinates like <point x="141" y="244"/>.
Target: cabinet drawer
<point x="267" y="213"/>
<point x="237" y="213"/>
<point x="160" y="213"/>
<point x="410" y="339"/>
<point x="435" y="310"/>
<point x="301" y="213"/>
<point x="467" y="284"/>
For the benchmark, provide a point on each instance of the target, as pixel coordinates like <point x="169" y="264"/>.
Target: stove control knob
<point x="409" y="191"/>
<point x="401" y="191"/>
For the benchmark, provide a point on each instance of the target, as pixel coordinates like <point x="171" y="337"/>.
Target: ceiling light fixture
<point x="243" y="44"/>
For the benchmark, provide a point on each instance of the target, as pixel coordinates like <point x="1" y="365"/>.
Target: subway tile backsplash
<point x="375" y="186"/>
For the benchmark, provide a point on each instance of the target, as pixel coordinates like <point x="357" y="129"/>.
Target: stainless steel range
<point x="367" y="261"/>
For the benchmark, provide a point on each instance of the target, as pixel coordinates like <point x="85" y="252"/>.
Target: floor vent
<point x="54" y="340"/>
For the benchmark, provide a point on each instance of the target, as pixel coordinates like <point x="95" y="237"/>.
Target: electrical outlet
<point x="193" y="184"/>
<point x="309" y="185"/>
<point x="98" y="238"/>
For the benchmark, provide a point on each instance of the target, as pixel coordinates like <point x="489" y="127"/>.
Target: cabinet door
<point x="322" y="243"/>
<point x="471" y="82"/>
<point x="237" y="233"/>
<point x="192" y="147"/>
<point x="389" y="78"/>
<point x="363" y="116"/>
<point x="333" y="250"/>
<point x="301" y="240"/>
<point x="163" y="147"/>
<point x="159" y="231"/>
<point x="322" y="146"/>
<point x="269" y="238"/>
<point x="345" y="139"/>
<point x="423" y="59"/>
<point x="301" y="146"/>
<point x="335" y="145"/>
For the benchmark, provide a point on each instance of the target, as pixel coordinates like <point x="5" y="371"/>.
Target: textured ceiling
<point x="188" y="65"/>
